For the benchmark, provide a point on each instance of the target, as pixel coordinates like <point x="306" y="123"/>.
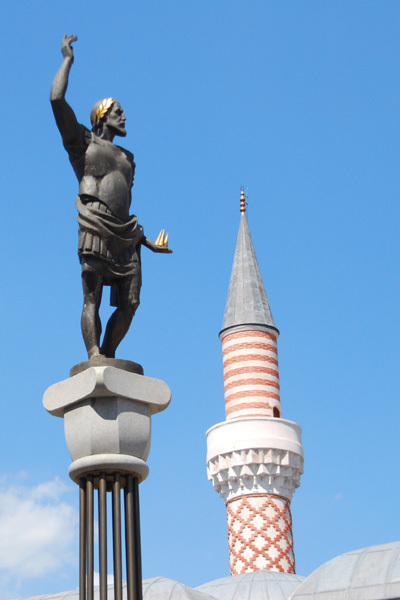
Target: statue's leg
<point x="128" y="300"/>
<point x="90" y="321"/>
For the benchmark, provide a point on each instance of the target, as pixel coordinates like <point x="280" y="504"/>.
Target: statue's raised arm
<point x="65" y="117"/>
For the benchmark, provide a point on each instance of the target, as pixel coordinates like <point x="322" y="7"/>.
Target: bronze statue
<point x="109" y="238"/>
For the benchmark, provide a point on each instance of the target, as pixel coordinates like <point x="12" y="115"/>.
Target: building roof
<point x="247" y="302"/>
<point x="371" y="573"/>
<point x="159" y="588"/>
<point x="156" y="588"/>
<point x="260" y="585"/>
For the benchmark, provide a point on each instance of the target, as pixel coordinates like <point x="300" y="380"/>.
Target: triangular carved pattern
<point x="233" y="474"/>
<point x="251" y="545"/>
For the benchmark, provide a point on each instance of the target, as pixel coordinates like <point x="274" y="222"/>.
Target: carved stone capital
<point x="107" y="419"/>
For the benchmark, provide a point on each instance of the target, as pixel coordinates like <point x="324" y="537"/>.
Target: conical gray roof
<point x="247" y="302"/>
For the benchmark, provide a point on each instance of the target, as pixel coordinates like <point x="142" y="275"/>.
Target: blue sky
<point x="298" y="102"/>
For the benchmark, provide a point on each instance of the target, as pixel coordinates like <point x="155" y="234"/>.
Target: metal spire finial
<point x="242" y="202"/>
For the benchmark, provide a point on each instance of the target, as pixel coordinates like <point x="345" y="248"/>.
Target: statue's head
<point x="100" y="109"/>
<point x="108" y="112"/>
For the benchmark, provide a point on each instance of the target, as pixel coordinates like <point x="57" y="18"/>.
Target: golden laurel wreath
<point x="105" y="105"/>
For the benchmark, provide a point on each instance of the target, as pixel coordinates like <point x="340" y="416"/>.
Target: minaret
<point x="254" y="457"/>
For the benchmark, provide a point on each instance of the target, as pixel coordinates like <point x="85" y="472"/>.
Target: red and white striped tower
<point x="254" y="458"/>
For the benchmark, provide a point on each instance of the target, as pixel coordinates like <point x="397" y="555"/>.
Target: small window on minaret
<point x="276" y="412"/>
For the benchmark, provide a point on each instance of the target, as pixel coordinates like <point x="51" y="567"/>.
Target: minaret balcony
<point x="255" y="456"/>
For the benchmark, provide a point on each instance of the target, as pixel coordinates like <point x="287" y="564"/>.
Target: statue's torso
<point x="105" y="172"/>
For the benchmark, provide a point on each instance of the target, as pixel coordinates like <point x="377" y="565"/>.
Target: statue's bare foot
<point x="94" y="352"/>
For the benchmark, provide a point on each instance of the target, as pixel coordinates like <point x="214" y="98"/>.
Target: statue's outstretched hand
<point x="160" y="245"/>
<point x="66" y="48"/>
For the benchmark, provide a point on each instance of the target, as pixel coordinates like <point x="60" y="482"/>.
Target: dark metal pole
<point x="103" y="536"/>
<point x="89" y="534"/>
<point x="132" y="537"/>
<point x="129" y="540"/>
<point x="133" y="552"/>
<point x="116" y="511"/>
<point x="138" y="550"/>
<point x="82" y="539"/>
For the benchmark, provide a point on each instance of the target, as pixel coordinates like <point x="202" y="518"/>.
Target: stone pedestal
<point x="107" y="406"/>
<point x="107" y="418"/>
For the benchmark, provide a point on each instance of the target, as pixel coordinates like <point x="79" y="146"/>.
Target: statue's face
<point x="115" y="119"/>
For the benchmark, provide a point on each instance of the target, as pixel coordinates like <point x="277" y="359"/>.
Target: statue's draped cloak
<point x="105" y="237"/>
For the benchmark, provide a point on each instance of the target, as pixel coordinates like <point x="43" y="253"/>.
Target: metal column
<point x="113" y="483"/>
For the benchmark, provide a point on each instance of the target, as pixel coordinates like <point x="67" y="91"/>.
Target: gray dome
<point x="371" y="573"/>
<point x="69" y="595"/>
<point x="156" y="588"/>
<point x="261" y="585"/>
<point x="160" y="588"/>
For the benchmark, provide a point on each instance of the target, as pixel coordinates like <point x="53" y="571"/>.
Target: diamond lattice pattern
<point x="260" y="534"/>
